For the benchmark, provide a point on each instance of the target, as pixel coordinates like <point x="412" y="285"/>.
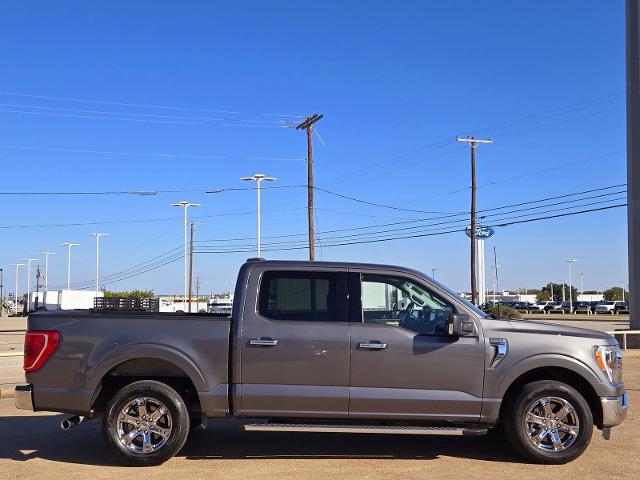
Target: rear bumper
<point x="614" y="410"/>
<point x="24" y="397"/>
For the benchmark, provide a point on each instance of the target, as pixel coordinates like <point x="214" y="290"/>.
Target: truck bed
<point x="96" y="347"/>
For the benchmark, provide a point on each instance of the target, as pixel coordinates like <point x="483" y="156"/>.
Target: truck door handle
<point x="372" y="345"/>
<point x="263" y="342"/>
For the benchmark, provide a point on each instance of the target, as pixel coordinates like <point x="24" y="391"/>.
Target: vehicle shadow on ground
<point x="27" y="437"/>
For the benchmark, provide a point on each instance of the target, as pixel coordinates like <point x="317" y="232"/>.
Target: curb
<point x="7" y="390"/>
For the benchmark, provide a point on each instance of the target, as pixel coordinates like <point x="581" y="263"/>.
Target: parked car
<point x="540" y="306"/>
<point x="609" y="306"/>
<point x="568" y="307"/>
<point x="582" y="307"/>
<point x="521" y="306"/>
<point x="622" y="307"/>
<point x="554" y="307"/>
<point x="325" y="347"/>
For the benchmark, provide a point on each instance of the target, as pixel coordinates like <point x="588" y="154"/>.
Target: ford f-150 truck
<point x="326" y="347"/>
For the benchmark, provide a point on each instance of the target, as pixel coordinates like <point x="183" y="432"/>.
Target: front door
<point x="404" y="365"/>
<point x="295" y="346"/>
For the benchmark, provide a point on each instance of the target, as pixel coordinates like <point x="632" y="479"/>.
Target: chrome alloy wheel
<point x="552" y="424"/>
<point x="144" y="425"/>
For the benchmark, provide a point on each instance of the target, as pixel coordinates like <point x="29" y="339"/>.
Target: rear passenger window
<point x="303" y="296"/>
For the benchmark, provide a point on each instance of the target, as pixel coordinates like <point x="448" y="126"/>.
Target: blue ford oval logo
<point x="483" y="232"/>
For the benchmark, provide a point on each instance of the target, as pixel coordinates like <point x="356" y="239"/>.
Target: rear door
<point x="404" y="365"/>
<point x="295" y="345"/>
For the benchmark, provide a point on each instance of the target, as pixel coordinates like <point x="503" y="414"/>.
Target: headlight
<point x="609" y="359"/>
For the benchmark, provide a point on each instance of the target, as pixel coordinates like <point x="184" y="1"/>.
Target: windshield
<point x="607" y="303"/>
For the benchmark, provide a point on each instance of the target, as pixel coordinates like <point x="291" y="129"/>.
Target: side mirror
<point x="461" y="325"/>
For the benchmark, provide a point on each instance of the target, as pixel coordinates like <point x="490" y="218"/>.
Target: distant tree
<point x="545" y="292"/>
<point x="615" y="293"/>
<point x="591" y="292"/>
<point x="130" y="294"/>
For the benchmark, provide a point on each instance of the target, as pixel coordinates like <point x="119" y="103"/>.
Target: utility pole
<point x="552" y="299"/>
<point x="433" y="272"/>
<point x="307" y="125"/>
<point x="473" y="143"/>
<point x="191" y="265"/>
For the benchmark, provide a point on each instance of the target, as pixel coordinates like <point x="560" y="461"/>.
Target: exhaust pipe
<point x="67" y="423"/>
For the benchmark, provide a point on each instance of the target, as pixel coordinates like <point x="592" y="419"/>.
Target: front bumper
<point x="24" y="397"/>
<point x="614" y="410"/>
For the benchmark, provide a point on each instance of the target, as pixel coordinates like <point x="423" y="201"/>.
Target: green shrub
<point x="501" y="311"/>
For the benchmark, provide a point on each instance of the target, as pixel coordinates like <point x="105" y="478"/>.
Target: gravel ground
<point x="32" y="445"/>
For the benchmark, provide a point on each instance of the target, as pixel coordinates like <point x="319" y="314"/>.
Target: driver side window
<point x="403" y="303"/>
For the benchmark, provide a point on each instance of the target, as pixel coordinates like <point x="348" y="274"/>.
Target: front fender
<point x="496" y="387"/>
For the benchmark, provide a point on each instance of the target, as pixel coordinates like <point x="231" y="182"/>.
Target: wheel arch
<point x="560" y="374"/>
<point x="143" y="363"/>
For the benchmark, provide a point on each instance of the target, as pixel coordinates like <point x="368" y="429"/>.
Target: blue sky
<point x="396" y="81"/>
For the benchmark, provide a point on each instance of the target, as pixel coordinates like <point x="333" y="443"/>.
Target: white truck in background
<point x="70" y="299"/>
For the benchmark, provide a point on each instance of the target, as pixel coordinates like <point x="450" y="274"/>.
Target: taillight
<point x="38" y="347"/>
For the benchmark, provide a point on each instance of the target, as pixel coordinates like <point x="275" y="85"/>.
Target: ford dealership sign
<point x="483" y="232"/>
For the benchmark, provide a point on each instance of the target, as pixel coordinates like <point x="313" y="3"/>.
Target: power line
<point x="160" y="261"/>
<point x="420" y="235"/>
<point x="140" y="105"/>
<point x="462" y="222"/>
<point x="381" y="205"/>
<point x="417" y="221"/>
<point x="158" y="155"/>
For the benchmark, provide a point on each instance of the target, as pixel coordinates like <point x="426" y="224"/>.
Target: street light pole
<point x="15" y="300"/>
<point x="569" y="263"/>
<point x="69" y="245"/>
<point x="259" y="178"/>
<point x="29" y="260"/>
<point x="185" y="205"/>
<point x="46" y="269"/>
<point x="433" y="272"/>
<point x="98" y="235"/>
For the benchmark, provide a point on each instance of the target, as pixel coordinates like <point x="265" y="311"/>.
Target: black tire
<point x="175" y="421"/>
<point x="517" y="430"/>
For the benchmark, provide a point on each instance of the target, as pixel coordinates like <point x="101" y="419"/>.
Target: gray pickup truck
<point x="326" y="347"/>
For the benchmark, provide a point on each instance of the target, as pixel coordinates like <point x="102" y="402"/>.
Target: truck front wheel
<point x="549" y="422"/>
<point x="145" y="423"/>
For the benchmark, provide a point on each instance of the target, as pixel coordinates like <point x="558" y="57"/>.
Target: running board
<point x="384" y="429"/>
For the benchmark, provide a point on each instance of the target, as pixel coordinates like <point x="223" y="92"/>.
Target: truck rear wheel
<point x="145" y="423"/>
<point x="549" y="422"/>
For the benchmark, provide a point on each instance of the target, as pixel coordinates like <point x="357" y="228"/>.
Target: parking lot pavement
<point x="32" y="445"/>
